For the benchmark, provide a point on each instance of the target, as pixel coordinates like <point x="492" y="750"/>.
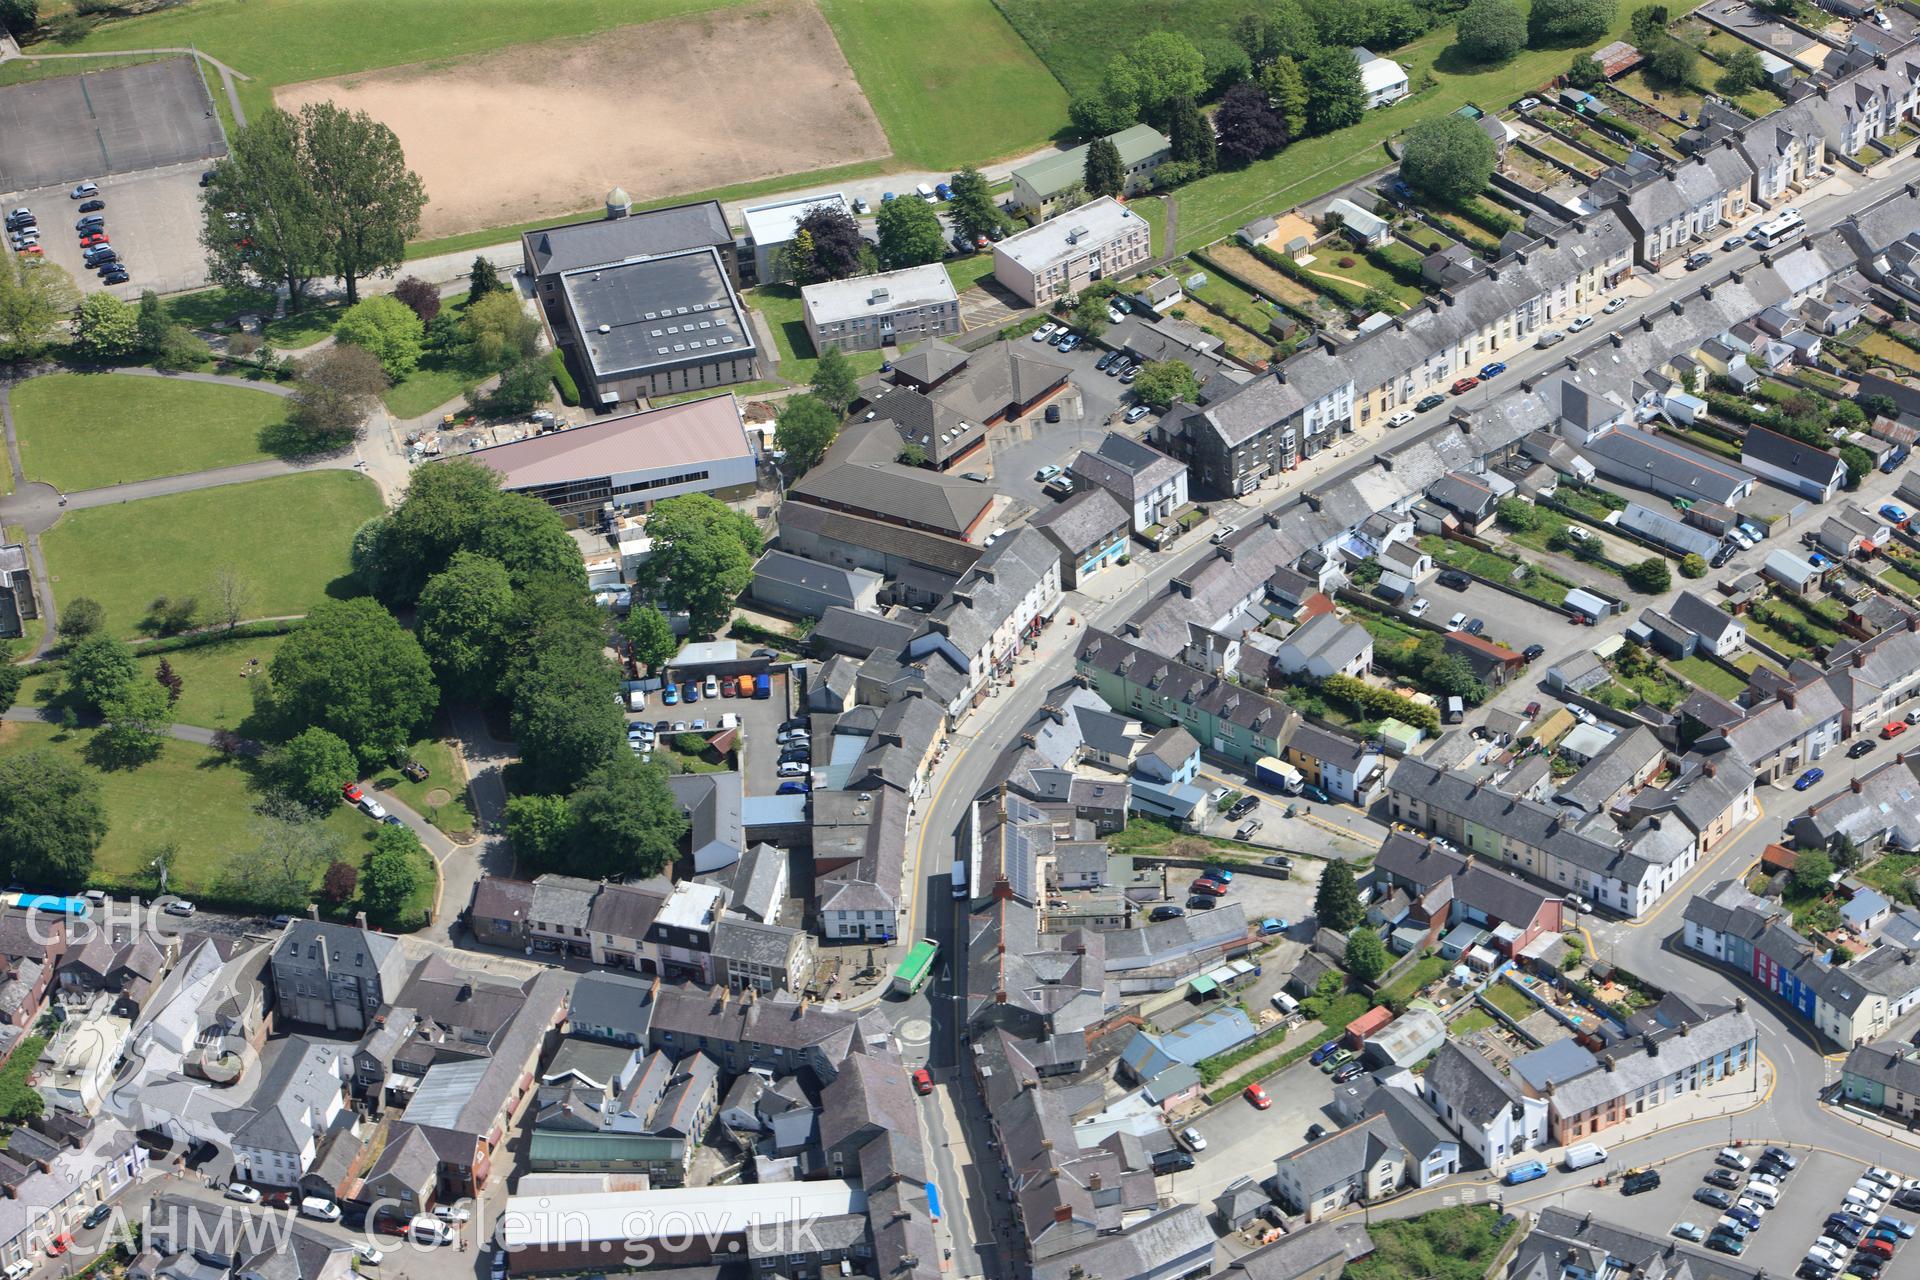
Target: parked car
<point x="1860" y="748"/>
<point x="1532" y="651"/>
<point x="84" y="190"/>
<point x="1613" y="305"/>
<point x="1894" y="513"/>
<point x="1136" y="412"/>
<point x="1687" y="1231"/>
<point x="179" y="907"/>
<point x="100" y="1213"/>
<point x="1454" y="578"/>
<point x="1713" y="1196"/>
<point x="1457" y="621"/>
<point x="1893" y="729"/>
<point x="1046" y="473"/>
<point x="1463" y="385"/>
<point x="1418" y="607"/>
<point x="1429" y="402"/>
<point x="1348" y="1072"/>
<point x="1166" y="912"/>
<point x="243" y="1193"/>
<point x="1193" y="1138"/>
<point x="1526" y="1172"/>
<point x="1639" y="1180"/>
<point x="1243" y="806"/>
<point x="1258" y="1096"/>
<point x="1324" y="1052"/>
<point x="1475" y="626"/>
<point x="1549" y="338"/>
<point x="792" y="788"/>
<point x="1723" y="1178"/>
<point x="793" y="769"/>
<point x="1804" y="781"/>
<point x="1041" y="334"/>
<point x="922" y="1081"/>
<point x="1400" y="419"/>
<point x="1581" y="325"/>
<point x="1695" y="261"/>
<point x="1493" y="370"/>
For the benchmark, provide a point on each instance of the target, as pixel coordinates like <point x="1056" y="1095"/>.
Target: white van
<point x="1584" y="1155"/>
<point x="322" y="1209"/>
<point x="1765" y="1194"/>
<point x="1285" y="1003"/>
<point x="637" y="700"/>
<point x="927" y="193"/>
<point x="426" y="1229"/>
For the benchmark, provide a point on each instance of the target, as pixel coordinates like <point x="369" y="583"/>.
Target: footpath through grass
<point x="286" y="536"/>
<point x="950" y="81"/>
<point x="89" y="430"/>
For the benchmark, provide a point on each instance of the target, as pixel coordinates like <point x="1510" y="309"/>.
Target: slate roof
<point x="563" y="901"/>
<point x="1790" y="455"/>
<point x="640" y="235"/>
<point x="1086" y="522"/>
<point x="1475" y="1088"/>
<point x="1302" y="1252"/>
<point x="1126" y="467"/>
<point x="1701" y="616"/>
<point x="615" y="1000"/>
<point x="860" y="474"/>
<point x="933" y="551"/>
<point x="1635" y="452"/>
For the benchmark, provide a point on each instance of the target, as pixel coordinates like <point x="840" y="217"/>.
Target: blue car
<point x="886" y="197"/>
<point x="1271" y="926"/>
<point x="1524" y="1173"/>
<point x="1897" y="514"/>
<point x="792" y="789"/>
<point x="944" y="191"/>
<point x="1745" y="1217"/>
<point x="1808" y="778"/>
<point x="1221" y="874"/>
<point x="671" y="695"/>
<point x="691" y="691"/>
<point x="1493" y="370"/>
<point x="1324" y="1052"/>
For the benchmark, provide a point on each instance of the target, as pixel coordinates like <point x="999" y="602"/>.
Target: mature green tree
<point x="396" y="868"/>
<point x="551" y="615"/>
<point x="1336" y="903"/>
<point x="566" y="716"/>
<point x="106" y="328"/>
<point x="340" y="883"/>
<point x="703" y="554"/>
<point x="1287" y="90"/>
<point x="152" y="322"/>
<point x="1859" y="464"/>
<point x="136" y="723"/>
<point x="500" y="330"/>
<point x="1104" y="174"/>
<point x="910" y="234"/>
<point x="537" y="830"/>
<point x="334" y="390"/>
<point x="462" y="620"/>
<point x="1517" y="514"/>
<point x="51" y="820"/>
<point x="369" y="202"/>
<point x="1812" y="869"/>
<point x="1491" y="31"/>
<point x="650" y="636"/>
<point x="1161" y="382"/>
<point x="835" y="383"/>
<point x="82" y="617"/>
<point x="262" y="223"/>
<point x="1279" y="29"/>
<point x="387" y="328"/>
<point x="1585" y="72"/>
<point x="529" y="538"/>
<point x="1450" y="675"/>
<point x="1090" y="311"/>
<point x="807" y="426"/>
<point x="1366" y="956"/>
<point x="1673" y="63"/>
<point x="278" y="869"/>
<point x="1647" y="24"/>
<point x="98" y="668"/>
<point x="482" y="279"/>
<point x="366" y="553"/>
<point x="797" y="259"/>
<point x="839" y="250"/>
<point x="1108" y="109"/>
<point x="34" y="303"/>
<point x="354" y="670"/>
<point x="311" y="768"/>
<point x="1249" y="128"/>
<point x="623" y="821"/>
<point x="1336" y="97"/>
<point x="1165" y="67"/>
<point x="972" y="207"/>
<point x="1693" y="565"/>
<point x="1224" y="64"/>
<point x="18" y="18"/>
<point x="1558" y="23"/>
<point x="1650" y="576"/>
<point x="1449" y="158"/>
<point x="12" y="676"/>
<point x="520" y="389"/>
<point x="444" y="509"/>
<point x="1191" y="135"/>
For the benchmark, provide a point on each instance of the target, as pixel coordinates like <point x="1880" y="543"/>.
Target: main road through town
<point x="930" y="1025"/>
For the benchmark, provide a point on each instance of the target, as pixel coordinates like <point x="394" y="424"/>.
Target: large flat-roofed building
<point x="701" y="446"/>
<point x="1039" y="185"/>
<point x="621" y="236"/>
<point x="770" y="229"/>
<point x="890" y="309"/>
<point x="656" y="327"/>
<point x="1096" y="241"/>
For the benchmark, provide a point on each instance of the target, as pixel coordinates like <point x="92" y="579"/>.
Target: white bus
<point x="1774" y="230"/>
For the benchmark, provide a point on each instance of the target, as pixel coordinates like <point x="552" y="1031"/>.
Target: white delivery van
<point x="317" y="1207"/>
<point x="1765" y="1194"/>
<point x="636" y="700"/>
<point x="427" y="1229"/>
<point x="927" y="193"/>
<point x="1584" y="1155"/>
<point x="1285" y="1003"/>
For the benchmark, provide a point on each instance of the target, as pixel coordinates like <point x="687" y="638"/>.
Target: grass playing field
<point x="286" y="536"/>
<point x="949" y="79"/>
<point x="88" y="430"/>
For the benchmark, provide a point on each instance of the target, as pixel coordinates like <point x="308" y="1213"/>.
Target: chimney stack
<point x="313" y="911"/>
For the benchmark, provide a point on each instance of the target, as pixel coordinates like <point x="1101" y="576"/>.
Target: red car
<point x="1465" y="385"/>
<point x="352" y="792"/>
<point x="1212" y="888"/>
<point x="59" y="1245"/>
<point x="33" y="249"/>
<point x="98" y="237"/>
<point x="923" y="1082"/>
<point x="1258" y="1097"/>
<point x="1893" y="728"/>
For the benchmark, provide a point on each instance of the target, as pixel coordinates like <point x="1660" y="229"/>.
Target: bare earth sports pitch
<point x="659" y="109"/>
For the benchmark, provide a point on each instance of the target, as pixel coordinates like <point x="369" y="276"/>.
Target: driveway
<point x="1089" y="408"/>
<point x="1509" y="621"/>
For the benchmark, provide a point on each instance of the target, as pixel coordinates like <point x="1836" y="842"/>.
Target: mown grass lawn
<point x="89" y="430"/>
<point x="441" y="376"/>
<point x="1215" y="205"/>
<point x="443" y="775"/>
<point x="188" y="796"/>
<point x="1509" y="1001"/>
<point x="287" y="536"/>
<point x="1712" y="678"/>
<point x="780" y="304"/>
<point x="950" y="81"/>
<point x="1077" y="38"/>
<point x="966" y="272"/>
